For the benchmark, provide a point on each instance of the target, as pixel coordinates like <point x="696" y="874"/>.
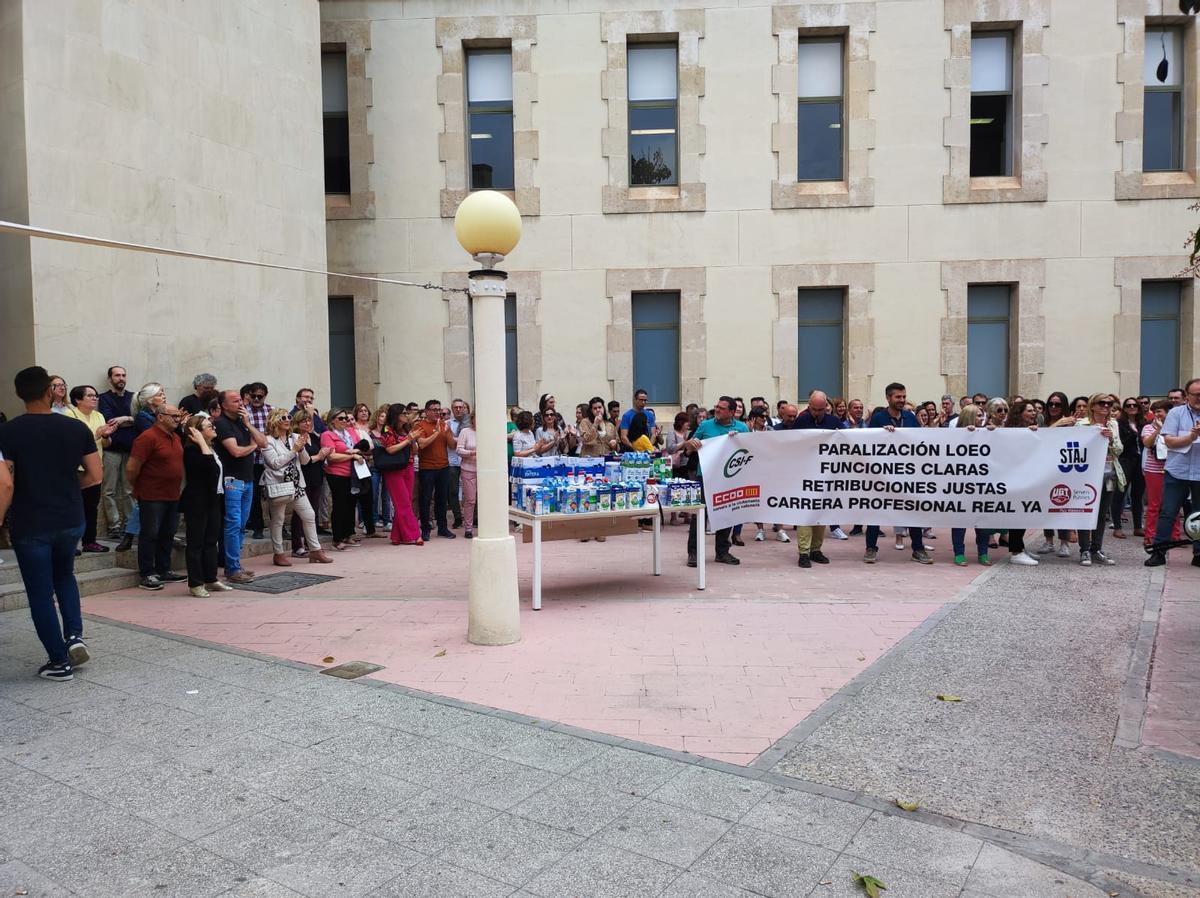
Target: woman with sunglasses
<point x="1056" y="408"/>
<point x="397" y="437"/>
<point x="342" y="439"/>
<point x="365" y="496"/>
<point x="1129" y="429"/>
<point x="1058" y="414"/>
<point x="1099" y="413"/>
<point x="285" y="454"/>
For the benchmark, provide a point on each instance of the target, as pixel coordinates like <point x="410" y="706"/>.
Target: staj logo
<point x="1072" y="458"/>
<point x="737" y="462"/>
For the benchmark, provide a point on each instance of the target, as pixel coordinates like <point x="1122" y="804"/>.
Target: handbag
<point x="282" y="490"/>
<point x="387" y="461"/>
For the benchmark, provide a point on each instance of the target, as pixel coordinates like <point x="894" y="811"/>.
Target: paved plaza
<point x="643" y="739"/>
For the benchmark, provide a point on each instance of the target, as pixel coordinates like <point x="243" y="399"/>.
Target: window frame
<point x="488" y="107"/>
<point x="346" y="303"/>
<point x="1180" y="92"/>
<point x="1011" y="164"/>
<point x="342" y="117"/>
<point x="1009" y="320"/>
<point x="649" y="383"/>
<point x="803" y="388"/>
<point x="1177" y="318"/>
<point x="840" y="40"/>
<point x="633" y="105"/>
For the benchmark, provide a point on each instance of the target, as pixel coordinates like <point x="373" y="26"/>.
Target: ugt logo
<point x="736" y="462"/>
<point x="1072" y="457"/>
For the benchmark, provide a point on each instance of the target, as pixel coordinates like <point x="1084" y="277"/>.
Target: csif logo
<point x="736" y="462"/>
<point x="1072" y="458"/>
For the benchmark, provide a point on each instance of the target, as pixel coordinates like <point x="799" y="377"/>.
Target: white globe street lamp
<point x="488" y="226"/>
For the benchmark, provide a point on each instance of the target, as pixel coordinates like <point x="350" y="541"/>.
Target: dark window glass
<point x="1161" y="141"/>
<point x="510" y="350"/>
<point x="991" y="155"/>
<point x="656" y="345"/>
<point x="1160" y="337"/>
<point x="342" y="374"/>
<point x="336" y="121"/>
<point x="492" y="150"/>
<point x="819" y="145"/>
<point x="988" y="311"/>
<point x="820" y="341"/>
<point x="652" y="145"/>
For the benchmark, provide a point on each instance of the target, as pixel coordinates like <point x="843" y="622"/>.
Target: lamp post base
<point x="493" y="606"/>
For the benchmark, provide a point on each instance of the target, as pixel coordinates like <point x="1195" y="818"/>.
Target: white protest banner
<point x="928" y="477"/>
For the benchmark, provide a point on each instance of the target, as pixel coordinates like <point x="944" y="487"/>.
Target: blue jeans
<point x="239" y="495"/>
<point x="383" y="502"/>
<point x="133" y="526"/>
<point x="1174" y="491"/>
<point x="47" y="563"/>
<point x="958" y="536"/>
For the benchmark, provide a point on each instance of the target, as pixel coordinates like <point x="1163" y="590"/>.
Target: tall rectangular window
<point x="1160" y="337"/>
<point x="335" y="110"/>
<point x="992" y="104"/>
<point x="342" y="374"/>
<point x="510" y="349"/>
<point x="819" y="118"/>
<point x="820" y="341"/>
<point x="653" y="115"/>
<point x="1162" y="122"/>
<point x="988" y="327"/>
<point x="656" y="345"/>
<point x="490" y="114"/>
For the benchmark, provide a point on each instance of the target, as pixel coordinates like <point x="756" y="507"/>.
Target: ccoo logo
<point x="736" y="462"/>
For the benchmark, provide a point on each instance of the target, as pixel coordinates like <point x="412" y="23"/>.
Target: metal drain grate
<point x="351" y="670"/>
<point x="284" y="582"/>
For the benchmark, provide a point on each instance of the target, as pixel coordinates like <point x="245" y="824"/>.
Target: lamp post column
<point x="493" y="606"/>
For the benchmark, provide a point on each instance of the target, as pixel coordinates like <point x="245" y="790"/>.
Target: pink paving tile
<point x="723" y="673"/>
<point x="1173" y="705"/>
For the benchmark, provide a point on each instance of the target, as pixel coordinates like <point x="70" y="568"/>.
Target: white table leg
<point x="657" y="545"/>
<point x="537" y="565"/>
<point x="701" y="546"/>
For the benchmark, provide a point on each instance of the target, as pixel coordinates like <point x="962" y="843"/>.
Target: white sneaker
<point x="1101" y="558"/>
<point x="838" y="533"/>
<point x="1085" y="559"/>
<point x="1023" y="558"/>
<point x="782" y="537"/>
<point x="1047" y="548"/>
<point x="760" y="536"/>
<point x="1064" y="551"/>
<point x="899" y="543"/>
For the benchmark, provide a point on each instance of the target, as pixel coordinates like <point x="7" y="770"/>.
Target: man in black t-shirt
<point x="46" y="452"/>
<point x="236" y="441"/>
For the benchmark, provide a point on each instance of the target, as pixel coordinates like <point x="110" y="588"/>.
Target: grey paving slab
<point x="260" y="887"/>
<point x="429" y="762"/>
<point x="362" y="742"/>
<point x="928" y="851"/>
<point x="712" y="792"/>
<point x="429" y="822"/>
<point x="272" y="837"/>
<point x="1002" y="873"/>
<point x="488" y="735"/>
<point x="689" y="885"/>
<point x="404" y="712"/>
<point x="575" y="806"/>
<point x="628" y="771"/>
<point x="437" y="879"/>
<point x="62" y="744"/>
<point x="900" y="883"/>
<point x="510" y="849"/>
<point x="809" y="818"/>
<point x="604" y="871"/>
<point x="270" y="766"/>
<point x="23" y="789"/>
<point x="187" y="872"/>
<point x="665" y="832"/>
<point x="352" y="863"/>
<point x="549" y="750"/>
<point x="17" y="878"/>
<point x="308" y="728"/>
<point x="355" y="797"/>
<point x="188" y="801"/>
<point x="766" y="864"/>
<point x="498" y="783"/>
<point x="23" y="725"/>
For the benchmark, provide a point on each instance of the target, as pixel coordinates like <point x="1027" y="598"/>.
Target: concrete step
<point x="12" y="595"/>
<point x="10" y="573"/>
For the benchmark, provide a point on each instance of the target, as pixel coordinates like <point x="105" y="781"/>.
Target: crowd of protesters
<point x="232" y="463"/>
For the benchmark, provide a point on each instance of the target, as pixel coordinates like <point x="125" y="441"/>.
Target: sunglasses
<point x="342" y="418"/>
<point x="258" y="395"/>
<point x="1054" y="404"/>
<point x="1131" y="405"/>
<point x="1103" y="402"/>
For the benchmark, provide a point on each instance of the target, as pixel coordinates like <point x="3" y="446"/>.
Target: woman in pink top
<point x="339" y="474"/>
<point x="399" y="483"/>
<point x="466" y="450"/>
<point x="1152" y="469"/>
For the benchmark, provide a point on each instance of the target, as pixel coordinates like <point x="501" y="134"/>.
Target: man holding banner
<point x="889" y="418"/>
<point x="723" y="423"/>
<point x="809" y="539"/>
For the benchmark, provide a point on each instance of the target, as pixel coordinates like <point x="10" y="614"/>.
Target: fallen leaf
<point x="943" y="697"/>
<point x="328" y="659"/>
<point x="825" y="882"/>
<point x="862" y="657"/>
<point x="870" y="884"/>
<point x="906" y="805"/>
<point x="440" y="654"/>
